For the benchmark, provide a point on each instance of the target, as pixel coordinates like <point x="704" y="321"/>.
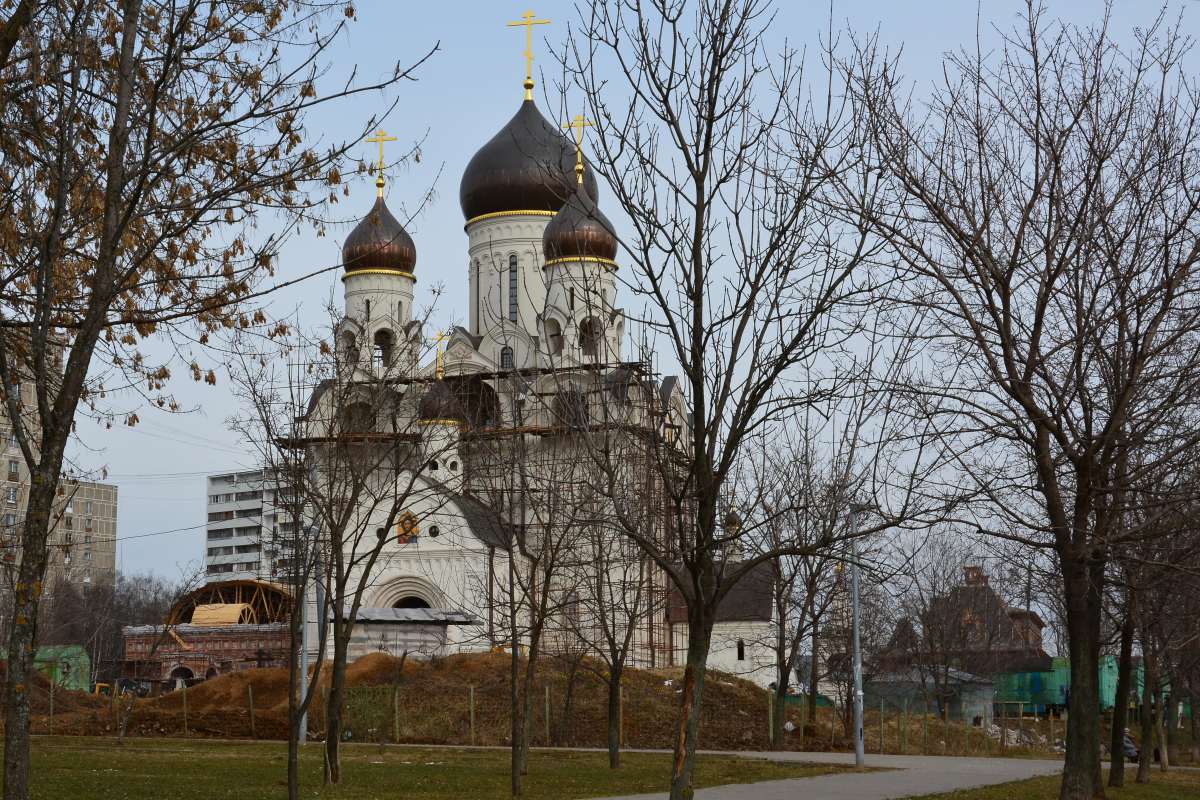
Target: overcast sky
<point x="463" y="94"/>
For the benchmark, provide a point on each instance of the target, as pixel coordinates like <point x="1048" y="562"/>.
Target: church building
<point x="520" y="447"/>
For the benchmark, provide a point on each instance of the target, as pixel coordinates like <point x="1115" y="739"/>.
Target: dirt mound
<point x="232" y="690"/>
<point x="430" y="702"/>
<point x="65" y="700"/>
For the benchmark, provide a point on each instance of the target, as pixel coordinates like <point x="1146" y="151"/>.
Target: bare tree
<point x="351" y="445"/>
<point x="273" y="401"/>
<point x="1042" y="209"/>
<point x="148" y="140"/>
<point x="715" y="154"/>
<point x="617" y="598"/>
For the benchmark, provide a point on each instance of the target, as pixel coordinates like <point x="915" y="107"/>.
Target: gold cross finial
<point x="577" y="125"/>
<point x="440" y="369"/>
<point x="527" y="21"/>
<point x="380" y="137"/>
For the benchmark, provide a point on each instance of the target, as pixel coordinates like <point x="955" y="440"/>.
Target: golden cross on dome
<point x="380" y="137"/>
<point x="577" y="125"/>
<point x="440" y="368"/>
<point x="527" y="21"/>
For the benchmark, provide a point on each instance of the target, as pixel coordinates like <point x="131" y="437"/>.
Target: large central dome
<point x="527" y="166"/>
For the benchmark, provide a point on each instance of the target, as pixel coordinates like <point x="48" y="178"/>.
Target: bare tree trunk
<point x="812" y="676"/>
<point x="1171" y="717"/>
<point x="514" y="694"/>
<point x="1081" y="770"/>
<point x="333" y="710"/>
<point x="688" y="728"/>
<point x="1193" y="699"/>
<point x="1146" y="750"/>
<point x="527" y="704"/>
<point x="779" y="703"/>
<point x="566" y="735"/>
<point x="1116" y="772"/>
<point x="23" y="636"/>
<point x="614" y="717"/>
<point x="1164" y="748"/>
<point x="295" y="712"/>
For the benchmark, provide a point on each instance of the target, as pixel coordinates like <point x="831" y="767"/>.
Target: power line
<point x="114" y="540"/>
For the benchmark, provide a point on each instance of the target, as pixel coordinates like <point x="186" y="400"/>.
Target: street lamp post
<point x="859" y="749"/>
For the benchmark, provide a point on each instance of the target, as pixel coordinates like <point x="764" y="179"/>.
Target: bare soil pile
<point x="430" y="702"/>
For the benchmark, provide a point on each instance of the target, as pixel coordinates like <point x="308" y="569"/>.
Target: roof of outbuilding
<point x="417" y="616"/>
<point x="483" y="522"/>
<point x="748" y="600"/>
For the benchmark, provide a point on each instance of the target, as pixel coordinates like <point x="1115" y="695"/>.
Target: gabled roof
<point x="749" y="600"/>
<point x="483" y="522"/>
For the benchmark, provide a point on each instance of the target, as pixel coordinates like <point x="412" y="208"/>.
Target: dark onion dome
<point x="379" y="241"/>
<point x="578" y="231"/>
<point x="528" y="166"/>
<point x="440" y="404"/>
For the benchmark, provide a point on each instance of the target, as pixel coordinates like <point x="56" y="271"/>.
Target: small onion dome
<point x="528" y="166"/>
<point x="379" y="241"/>
<point x="579" y="230"/>
<point x="439" y="404"/>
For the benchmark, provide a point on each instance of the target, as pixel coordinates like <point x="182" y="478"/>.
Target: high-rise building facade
<point x="247" y="521"/>
<point x="83" y="528"/>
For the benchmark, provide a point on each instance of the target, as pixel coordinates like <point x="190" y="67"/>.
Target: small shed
<point x="66" y="665"/>
<point x="962" y="695"/>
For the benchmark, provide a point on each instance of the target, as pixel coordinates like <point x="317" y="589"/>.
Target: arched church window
<point x="570" y="409"/>
<point x="571" y="298"/>
<point x="368" y="309"/>
<point x="383" y="349"/>
<point x="400" y="310"/>
<point x="512" y="288"/>
<point x="554" y="337"/>
<point x="589" y="337"/>
<point x="349" y="348"/>
<point x="506" y="357"/>
<point x="411" y="602"/>
<point x="357" y="418"/>
<point x="741" y="653"/>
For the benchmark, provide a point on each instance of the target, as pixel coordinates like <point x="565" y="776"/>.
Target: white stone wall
<point x="579" y="293"/>
<point x="757" y="663"/>
<point x="491" y="245"/>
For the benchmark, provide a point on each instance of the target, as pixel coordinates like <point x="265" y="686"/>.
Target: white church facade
<point x="501" y="443"/>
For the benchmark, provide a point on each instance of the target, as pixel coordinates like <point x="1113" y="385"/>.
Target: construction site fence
<point x="402" y="714"/>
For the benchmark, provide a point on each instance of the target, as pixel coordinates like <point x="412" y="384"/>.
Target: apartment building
<point x="248" y="524"/>
<point x="83" y="533"/>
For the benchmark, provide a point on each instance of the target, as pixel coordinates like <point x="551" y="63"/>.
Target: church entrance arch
<point x="408" y="591"/>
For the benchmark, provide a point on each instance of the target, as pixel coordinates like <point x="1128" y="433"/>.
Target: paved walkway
<point x="908" y="776"/>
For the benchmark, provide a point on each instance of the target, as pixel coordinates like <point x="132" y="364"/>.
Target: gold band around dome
<point x="376" y="271"/>
<point x="497" y="214"/>
<point x="458" y="423"/>
<point x="608" y="262"/>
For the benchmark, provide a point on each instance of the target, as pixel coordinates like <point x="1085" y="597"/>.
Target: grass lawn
<point x="1175" y="785"/>
<point x="156" y="769"/>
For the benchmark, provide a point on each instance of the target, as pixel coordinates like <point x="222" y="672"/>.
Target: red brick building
<point x="221" y="627"/>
